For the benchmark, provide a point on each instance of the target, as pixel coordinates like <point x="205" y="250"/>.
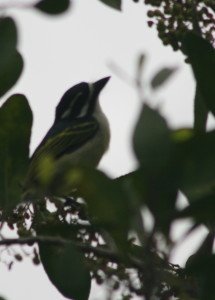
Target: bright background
<point x="81" y="45"/>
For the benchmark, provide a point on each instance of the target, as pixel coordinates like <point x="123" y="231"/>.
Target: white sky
<point x="79" y="46"/>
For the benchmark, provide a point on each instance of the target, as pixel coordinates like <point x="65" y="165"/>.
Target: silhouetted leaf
<point x="201" y="55"/>
<point x="182" y="135"/>
<point x="11" y="62"/>
<point x="202" y="209"/>
<point x="53" y="7"/>
<point x="107" y="202"/>
<point x="66" y="269"/>
<point x="8" y="35"/>
<point x="200" y="113"/>
<point x="113" y="3"/>
<point x="206" y="248"/>
<point x="10" y="70"/>
<point x="203" y="269"/>
<point x="152" y="142"/>
<point x="197" y="163"/>
<point x="154" y="147"/>
<point x="133" y="184"/>
<point x="15" y="130"/>
<point x="161" y="77"/>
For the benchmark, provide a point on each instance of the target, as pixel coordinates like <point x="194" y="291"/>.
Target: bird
<point x="79" y="136"/>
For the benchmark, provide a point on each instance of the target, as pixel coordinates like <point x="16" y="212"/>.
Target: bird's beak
<point x="96" y="89"/>
<point x="98" y="85"/>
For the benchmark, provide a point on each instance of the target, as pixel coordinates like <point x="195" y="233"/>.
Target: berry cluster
<point x="174" y="18"/>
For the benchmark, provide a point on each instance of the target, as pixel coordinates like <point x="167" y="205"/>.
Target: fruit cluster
<point x="174" y="18"/>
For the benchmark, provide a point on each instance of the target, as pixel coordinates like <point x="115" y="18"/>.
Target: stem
<point x="196" y="27"/>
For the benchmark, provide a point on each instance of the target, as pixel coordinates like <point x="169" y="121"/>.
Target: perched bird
<point x="79" y="135"/>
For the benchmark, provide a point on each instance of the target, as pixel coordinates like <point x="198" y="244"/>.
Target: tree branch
<point x="87" y="248"/>
<point x="32" y="240"/>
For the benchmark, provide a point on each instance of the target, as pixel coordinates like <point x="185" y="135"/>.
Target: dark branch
<point x="87" y="248"/>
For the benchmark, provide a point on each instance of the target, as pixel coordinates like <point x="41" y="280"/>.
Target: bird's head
<point x="80" y="100"/>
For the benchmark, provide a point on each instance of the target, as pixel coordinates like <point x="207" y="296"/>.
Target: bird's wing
<point x="67" y="140"/>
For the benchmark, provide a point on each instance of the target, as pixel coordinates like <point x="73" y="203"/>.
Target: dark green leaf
<point x="203" y="269"/>
<point x="157" y="176"/>
<point x="11" y="62"/>
<point x="107" y="202"/>
<point x="66" y="269"/>
<point x="200" y="113"/>
<point x="136" y="191"/>
<point x="8" y="36"/>
<point x="161" y="77"/>
<point x="10" y="70"/>
<point x="152" y="142"/>
<point x="205" y="249"/>
<point x="53" y="7"/>
<point x="182" y="135"/>
<point x="202" y="210"/>
<point x="15" y="130"/>
<point x="202" y="58"/>
<point x="113" y="3"/>
<point x="197" y="163"/>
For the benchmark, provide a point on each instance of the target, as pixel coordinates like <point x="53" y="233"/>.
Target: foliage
<point x="11" y="62"/>
<point x="84" y="236"/>
<point x="113" y="3"/>
<point x="53" y="7"/>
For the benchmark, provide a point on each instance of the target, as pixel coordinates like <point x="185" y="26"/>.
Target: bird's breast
<point x="90" y="153"/>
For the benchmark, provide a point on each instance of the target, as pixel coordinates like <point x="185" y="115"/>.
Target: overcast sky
<point x="80" y="46"/>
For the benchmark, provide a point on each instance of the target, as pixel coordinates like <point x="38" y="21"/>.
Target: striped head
<point x="80" y="100"/>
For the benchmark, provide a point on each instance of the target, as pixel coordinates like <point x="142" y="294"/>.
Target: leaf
<point x="113" y="3"/>
<point x="202" y="268"/>
<point x="65" y="268"/>
<point x="11" y="62"/>
<point x="200" y="113"/>
<point x="151" y="140"/>
<point x="197" y="163"/>
<point x="161" y="77"/>
<point x="10" y="70"/>
<point x="136" y="191"/>
<point x="106" y="200"/>
<point x="205" y="249"/>
<point x="15" y="131"/>
<point x="202" y="58"/>
<point x="202" y="210"/>
<point x="182" y="135"/>
<point x="53" y="7"/>
<point x="8" y="35"/>
<point x="154" y="147"/>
